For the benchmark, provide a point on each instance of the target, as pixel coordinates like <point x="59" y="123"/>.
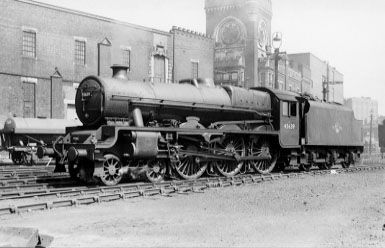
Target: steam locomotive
<point x="195" y="127"/>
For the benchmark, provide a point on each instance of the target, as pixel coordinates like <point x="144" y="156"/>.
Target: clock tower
<point x="242" y="31"/>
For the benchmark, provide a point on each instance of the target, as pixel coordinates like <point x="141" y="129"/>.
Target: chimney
<point x="120" y="72"/>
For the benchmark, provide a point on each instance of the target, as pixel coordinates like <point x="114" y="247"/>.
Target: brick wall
<point x="56" y="31"/>
<point x="192" y="47"/>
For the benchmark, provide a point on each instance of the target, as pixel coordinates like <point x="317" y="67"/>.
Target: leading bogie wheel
<point x="230" y="146"/>
<point x="265" y="151"/>
<point x="73" y="170"/>
<point x="156" y="171"/>
<point x="16" y="158"/>
<point x="111" y="170"/>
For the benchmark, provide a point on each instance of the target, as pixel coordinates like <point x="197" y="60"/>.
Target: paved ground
<point x="331" y="211"/>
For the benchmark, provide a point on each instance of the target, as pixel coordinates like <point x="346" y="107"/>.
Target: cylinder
<point x="73" y="154"/>
<point x="44" y="151"/>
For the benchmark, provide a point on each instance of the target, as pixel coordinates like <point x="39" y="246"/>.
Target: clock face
<point x="230" y="33"/>
<point x="262" y="34"/>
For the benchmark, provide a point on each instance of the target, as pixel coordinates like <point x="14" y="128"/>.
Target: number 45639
<point x="289" y="126"/>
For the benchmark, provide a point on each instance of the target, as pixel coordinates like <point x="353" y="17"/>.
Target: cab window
<point x="289" y="109"/>
<point x="293" y="109"/>
<point x="285" y="109"/>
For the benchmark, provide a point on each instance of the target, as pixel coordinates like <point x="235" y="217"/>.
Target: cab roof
<point x="280" y="94"/>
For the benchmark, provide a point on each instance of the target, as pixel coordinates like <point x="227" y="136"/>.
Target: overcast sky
<point x="347" y="33"/>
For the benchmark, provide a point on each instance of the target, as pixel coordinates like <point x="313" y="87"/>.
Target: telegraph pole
<point x="276" y="65"/>
<point x="371" y="131"/>
<point x="327" y="83"/>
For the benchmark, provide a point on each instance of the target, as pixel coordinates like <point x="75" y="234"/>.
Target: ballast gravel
<point x="336" y="210"/>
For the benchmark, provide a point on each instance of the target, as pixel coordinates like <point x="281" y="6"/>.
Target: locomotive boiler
<point x="101" y="99"/>
<point x="195" y="127"/>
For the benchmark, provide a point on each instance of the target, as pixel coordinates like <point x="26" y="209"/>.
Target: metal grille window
<point x="29" y="44"/>
<point x="80" y="52"/>
<point x="195" y="72"/>
<point x="29" y="97"/>
<point x="126" y="57"/>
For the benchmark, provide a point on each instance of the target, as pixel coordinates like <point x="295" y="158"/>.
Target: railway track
<point x="74" y="196"/>
<point x="25" y="171"/>
<point x="45" y="179"/>
<point x="29" y="175"/>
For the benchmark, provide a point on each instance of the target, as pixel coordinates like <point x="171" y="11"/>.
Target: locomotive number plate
<point x="289" y="126"/>
<point x="86" y="94"/>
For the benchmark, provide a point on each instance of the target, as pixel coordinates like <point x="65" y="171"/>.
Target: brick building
<point x="47" y="50"/>
<point x="321" y="73"/>
<point x="242" y="33"/>
<point x="291" y="75"/>
<point x="366" y="109"/>
<point x="193" y="54"/>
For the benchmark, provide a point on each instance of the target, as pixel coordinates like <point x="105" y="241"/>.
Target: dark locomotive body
<point x="195" y="127"/>
<point x="314" y="132"/>
<point x="21" y="137"/>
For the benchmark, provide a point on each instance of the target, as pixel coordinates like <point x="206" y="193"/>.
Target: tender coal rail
<point x="76" y="196"/>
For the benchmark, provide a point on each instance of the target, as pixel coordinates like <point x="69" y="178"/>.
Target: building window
<point x="29" y="44"/>
<point x="226" y="77"/>
<point x="219" y="77"/>
<point x="80" y="52"/>
<point x="263" y="78"/>
<point x="159" y="69"/>
<point x="29" y="93"/>
<point x="194" y="69"/>
<point x="126" y="57"/>
<point x="234" y="76"/>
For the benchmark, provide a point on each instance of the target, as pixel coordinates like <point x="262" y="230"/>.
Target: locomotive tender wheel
<point x="348" y="161"/>
<point x="305" y="167"/>
<point x="156" y="170"/>
<point x="111" y="169"/>
<point x="322" y="166"/>
<point x="28" y="159"/>
<point x="329" y="161"/>
<point x="190" y="167"/>
<point x="263" y="149"/>
<point x="231" y="145"/>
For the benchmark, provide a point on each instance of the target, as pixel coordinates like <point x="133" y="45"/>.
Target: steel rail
<point x="15" y="176"/>
<point x="106" y="194"/>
